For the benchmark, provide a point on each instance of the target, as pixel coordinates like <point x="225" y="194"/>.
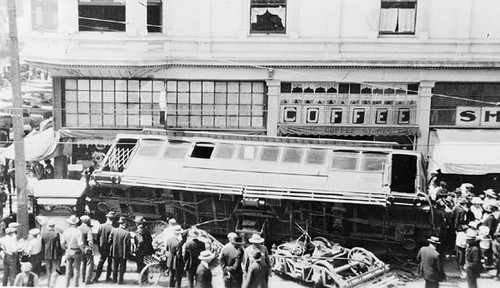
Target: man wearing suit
<point x="258" y="272"/>
<point x="119" y="243"/>
<point x="51" y="243"/>
<point x="173" y="249"/>
<point x="257" y="245"/>
<point x="102" y="243"/>
<point x="203" y="273"/>
<point x="143" y="241"/>
<point x="190" y="252"/>
<point x="230" y="261"/>
<point x="88" y="255"/>
<point x="431" y="265"/>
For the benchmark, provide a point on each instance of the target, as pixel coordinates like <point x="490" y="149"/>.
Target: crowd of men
<point x="468" y="228"/>
<point x="185" y="252"/>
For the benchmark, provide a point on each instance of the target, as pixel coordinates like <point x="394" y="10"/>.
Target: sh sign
<point x="478" y="116"/>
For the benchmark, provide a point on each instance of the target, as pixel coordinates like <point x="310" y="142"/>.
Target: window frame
<point x="401" y="4"/>
<point x="152" y="3"/>
<point x="106" y="29"/>
<point x="269" y="4"/>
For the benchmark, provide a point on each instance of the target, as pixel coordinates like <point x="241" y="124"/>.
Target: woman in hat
<point x="476" y="209"/>
<point x="26" y="278"/>
<point x="473" y="266"/>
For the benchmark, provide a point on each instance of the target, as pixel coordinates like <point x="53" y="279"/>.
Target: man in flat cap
<point x="143" y="241"/>
<point x="230" y="259"/>
<point x="88" y="256"/>
<point x="53" y="252"/>
<point x="9" y="252"/>
<point x="33" y="248"/>
<point x="102" y="243"/>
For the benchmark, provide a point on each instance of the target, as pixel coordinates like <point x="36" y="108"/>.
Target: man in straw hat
<point x="190" y="252"/>
<point x="26" y="278"/>
<point x="88" y="255"/>
<point x="9" y="248"/>
<point x="72" y="243"/>
<point x="175" y="265"/>
<point x="258" y="273"/>
<point x="230" y="259"/>
<point x="473" y="266"/>
<point x="431" y="266"/>
<point x="143" y="242"/>
<point x="102" y="243"/>
<point x="119" y="242"/>
<point x="256" y="240"/>
<point x="51" y="241"/>
<point x="203" y="271"/>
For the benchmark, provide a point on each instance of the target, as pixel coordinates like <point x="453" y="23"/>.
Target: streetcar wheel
<point x="152" y="275"/>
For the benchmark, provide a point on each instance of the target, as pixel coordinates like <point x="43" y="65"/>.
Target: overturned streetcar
<point x="342" y="190"/>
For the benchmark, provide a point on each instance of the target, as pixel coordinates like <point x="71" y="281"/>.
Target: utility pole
<point x="20" y="162"/>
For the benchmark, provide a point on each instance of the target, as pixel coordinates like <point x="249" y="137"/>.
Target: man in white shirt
<point x="72" y="242"/>
<point x="9" y="252"/>
<point x="33" y="248"/>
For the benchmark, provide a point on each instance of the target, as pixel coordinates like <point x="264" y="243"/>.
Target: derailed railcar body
<point x="340" y="189"/>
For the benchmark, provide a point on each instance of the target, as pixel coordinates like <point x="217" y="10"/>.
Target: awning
<point x="59" y="188"/>
<point x="468" y="152"/>
<point x="38" y="146"/>
<point x="347" y="130"/>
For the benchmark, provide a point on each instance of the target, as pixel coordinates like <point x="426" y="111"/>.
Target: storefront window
<point x="101" y="15"/>
<point x="112" y="103"/>
<point x="44" y="15"/>
<point x="215" y="104"/>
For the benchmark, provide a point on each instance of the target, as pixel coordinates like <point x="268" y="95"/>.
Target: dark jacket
<point x="119" y="242"/>
<point x="473" y="259"/>
<point x="431" y="266"/>
<point x="173" y="249"/>
<point x="203" y="277"/>
<point x="459" y="217"/>
<point x="192" y="250"/>
<point x="51" y="244"/>
<point x="491" y="222"/>
<point x="144" y="241"/>
<point x="230" y="259"/>
<point x="257" y="275"/>
<point x="103" y="238"/>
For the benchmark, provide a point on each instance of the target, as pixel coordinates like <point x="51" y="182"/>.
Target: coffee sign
<point x="478" y="116"/>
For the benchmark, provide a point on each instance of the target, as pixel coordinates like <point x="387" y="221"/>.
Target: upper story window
<point x="101" y="15"/>
<point x="154" y="16"/>
<point x="44" y="15"/>
<point x="268" y="16"/>
<point x="398" y="17"/>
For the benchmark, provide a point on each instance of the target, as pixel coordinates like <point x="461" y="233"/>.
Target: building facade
<point x="390" y="70"/>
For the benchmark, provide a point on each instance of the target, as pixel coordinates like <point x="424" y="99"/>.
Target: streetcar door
<point x="404" y="173"/>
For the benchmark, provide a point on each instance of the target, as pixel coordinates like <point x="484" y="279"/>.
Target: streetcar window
<point x="316" y="156"/>
<point x="202" y="150"/>
<point x="149" y="148"/>
<point x="176" y="150"/>
<point x="292" y="155"/>
<point x="345" y="160"/>
<point x="247" y="152"/>
<point x="373" y="161"/>
<point x="269" y="153"/>
<point x="224" y="151"/>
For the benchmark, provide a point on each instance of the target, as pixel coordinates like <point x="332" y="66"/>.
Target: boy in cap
<point x="431" y="265"/>
<point x="230" y="259"/>
<point x="88" y="256"/>
<point x="103" y="246"/>
<point x="26" y="278"/>
<point x="9" y="248"/>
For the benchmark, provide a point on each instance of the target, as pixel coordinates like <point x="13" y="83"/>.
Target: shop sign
<point x="478" y="116"/>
